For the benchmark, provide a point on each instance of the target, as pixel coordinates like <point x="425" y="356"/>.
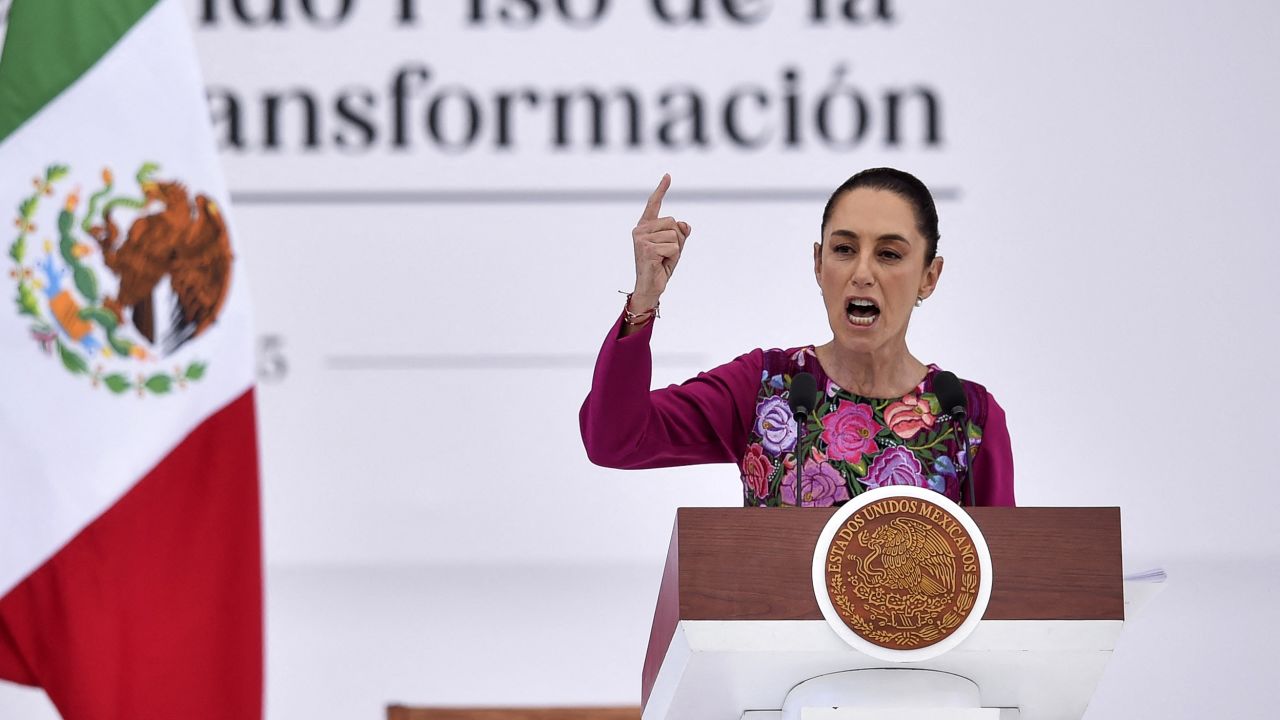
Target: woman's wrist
<point x="636" y="313"/>
<point x="639" y="302"/>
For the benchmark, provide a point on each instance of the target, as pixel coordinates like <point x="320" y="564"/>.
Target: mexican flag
<point x="130" y="558"/>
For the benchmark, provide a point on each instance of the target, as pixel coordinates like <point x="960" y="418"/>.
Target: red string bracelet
<point x="638" y="318"/>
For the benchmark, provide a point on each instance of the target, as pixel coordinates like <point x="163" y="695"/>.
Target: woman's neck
<point x="887" y="372"/>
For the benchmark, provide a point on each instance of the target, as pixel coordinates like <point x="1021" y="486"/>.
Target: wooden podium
<point x="737" y="624"/>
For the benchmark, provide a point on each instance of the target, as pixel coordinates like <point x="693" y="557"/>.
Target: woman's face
<point x="870" y="266"/>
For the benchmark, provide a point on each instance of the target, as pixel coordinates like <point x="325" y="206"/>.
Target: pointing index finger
<point x="654" y="205"/>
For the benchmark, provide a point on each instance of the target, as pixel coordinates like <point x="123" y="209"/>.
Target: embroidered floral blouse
<point x="739" y="412"/>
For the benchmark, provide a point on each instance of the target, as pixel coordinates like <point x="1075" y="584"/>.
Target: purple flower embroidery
<point x="895" y="466"/>
<point x="945" y="467"/>
<point x="822" y="486"/>
<point x="775" y="425"/>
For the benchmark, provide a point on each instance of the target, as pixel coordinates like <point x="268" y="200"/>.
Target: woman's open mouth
<point x="862" y="311"/>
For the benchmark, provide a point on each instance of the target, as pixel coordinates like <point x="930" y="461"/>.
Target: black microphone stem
<point x="802" y="398"/>
<point x="966" y="486"/>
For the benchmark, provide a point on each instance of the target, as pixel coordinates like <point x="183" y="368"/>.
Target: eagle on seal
<point x="913" y="556"/>
<point x="183" y="239"/>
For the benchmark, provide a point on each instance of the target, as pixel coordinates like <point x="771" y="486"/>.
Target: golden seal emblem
<point x="903" y="570"/>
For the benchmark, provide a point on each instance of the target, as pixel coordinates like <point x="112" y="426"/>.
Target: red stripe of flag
<point x="154" y="611"/>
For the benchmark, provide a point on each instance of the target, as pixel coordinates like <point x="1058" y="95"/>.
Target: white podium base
<point x="900" y="714"/>
<point x="906" y="688"/>
<point x="1047" y="669"/>
<point x="893" y="714"/>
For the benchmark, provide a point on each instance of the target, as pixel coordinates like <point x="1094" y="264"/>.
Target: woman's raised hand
<point x="658" y="242"/>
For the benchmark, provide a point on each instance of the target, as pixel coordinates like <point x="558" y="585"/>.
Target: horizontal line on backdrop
<point x="484" y="361"/>
<point x="532" y="196"/>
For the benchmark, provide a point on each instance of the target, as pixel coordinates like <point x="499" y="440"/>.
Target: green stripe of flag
<point x="50" y="44"/>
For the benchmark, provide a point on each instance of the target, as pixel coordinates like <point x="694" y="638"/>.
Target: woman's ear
<point x="929" y="281"/>
<point x="817" y="263"/>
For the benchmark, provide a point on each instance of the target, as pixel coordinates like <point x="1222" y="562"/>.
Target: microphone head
<point x="950" y="394"/>
<point x="804" y="394"/>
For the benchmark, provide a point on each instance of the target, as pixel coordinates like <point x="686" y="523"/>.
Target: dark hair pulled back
<point x="904" y="185"/>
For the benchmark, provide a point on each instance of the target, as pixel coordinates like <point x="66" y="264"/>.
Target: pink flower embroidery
<point x="850" y="431"/>
<point x="907" y="417"/>
<point x="756" y="470"/>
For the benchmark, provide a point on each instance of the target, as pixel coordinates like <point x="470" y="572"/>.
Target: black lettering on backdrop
<point x="271" y="103"/>
<point x="731" y="114"/>
<point x="691" y="117"/>
<point x="573" y="14"/>
<point x="853" y="11"/>
<point x="893" y="99"/>
<point x="836" y="94"/>
<point x="399" y="93"/>
<point x="256" y="13"/>
<point x="408" y="12"/>
<point x="356" y="118"/>
<point x="502" y="101"/>
<point x="791" y="94"/>
<point x="336" y="15"/>
<point x="224" y="112"/>
<point x="597" y="115"/>
<point x="467" y="109"/>
<point x="414" y="112"/>
<point x="411" y="112"/>
<point x="682" y="12"/>
<point x="526" y="13"/>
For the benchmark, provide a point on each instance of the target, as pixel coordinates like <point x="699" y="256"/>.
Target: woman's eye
<point x="890" y="255"/>
<point x="843" y="249"/>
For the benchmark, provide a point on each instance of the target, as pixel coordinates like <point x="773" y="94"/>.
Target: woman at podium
<point x="877" y="419"/>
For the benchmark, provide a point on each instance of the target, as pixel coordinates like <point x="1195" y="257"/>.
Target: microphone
<point x="950" y="394"/>
<point x="804" y="394"/>
<point x="951" y="397"/>
<point x="803" y="398"/>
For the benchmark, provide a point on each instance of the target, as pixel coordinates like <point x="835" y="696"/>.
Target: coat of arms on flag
<point x="130" y="546"/>
<point x="91" y="273"/>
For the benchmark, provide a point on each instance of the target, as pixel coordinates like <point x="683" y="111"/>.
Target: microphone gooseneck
<point x="803" y="398"/>
<point x="951" y="397"/>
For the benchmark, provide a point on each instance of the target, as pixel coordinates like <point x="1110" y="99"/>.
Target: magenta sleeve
<point x="993" y="466"/>
<point x="703" y="420"/>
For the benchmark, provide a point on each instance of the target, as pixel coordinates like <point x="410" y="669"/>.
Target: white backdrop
<point x="1106" y="174"/>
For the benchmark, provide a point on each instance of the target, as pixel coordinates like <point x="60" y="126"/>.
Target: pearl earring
<point x="919" y="301"/>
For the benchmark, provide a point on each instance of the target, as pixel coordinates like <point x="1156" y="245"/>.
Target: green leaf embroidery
<point x="159" y="384"/>
<point x="27" y="304"/>
<point x="117" y="383"/>
<point x="102" y="316"/>
<point x="145" y="172"/>
<point x="72" y="360"/>
<point x="775" y="480"/>
<point x="122" y="347"/>
<point x="86" y="283"/>
<point x="195" y="370"/>
<point x="860" y="467"/>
